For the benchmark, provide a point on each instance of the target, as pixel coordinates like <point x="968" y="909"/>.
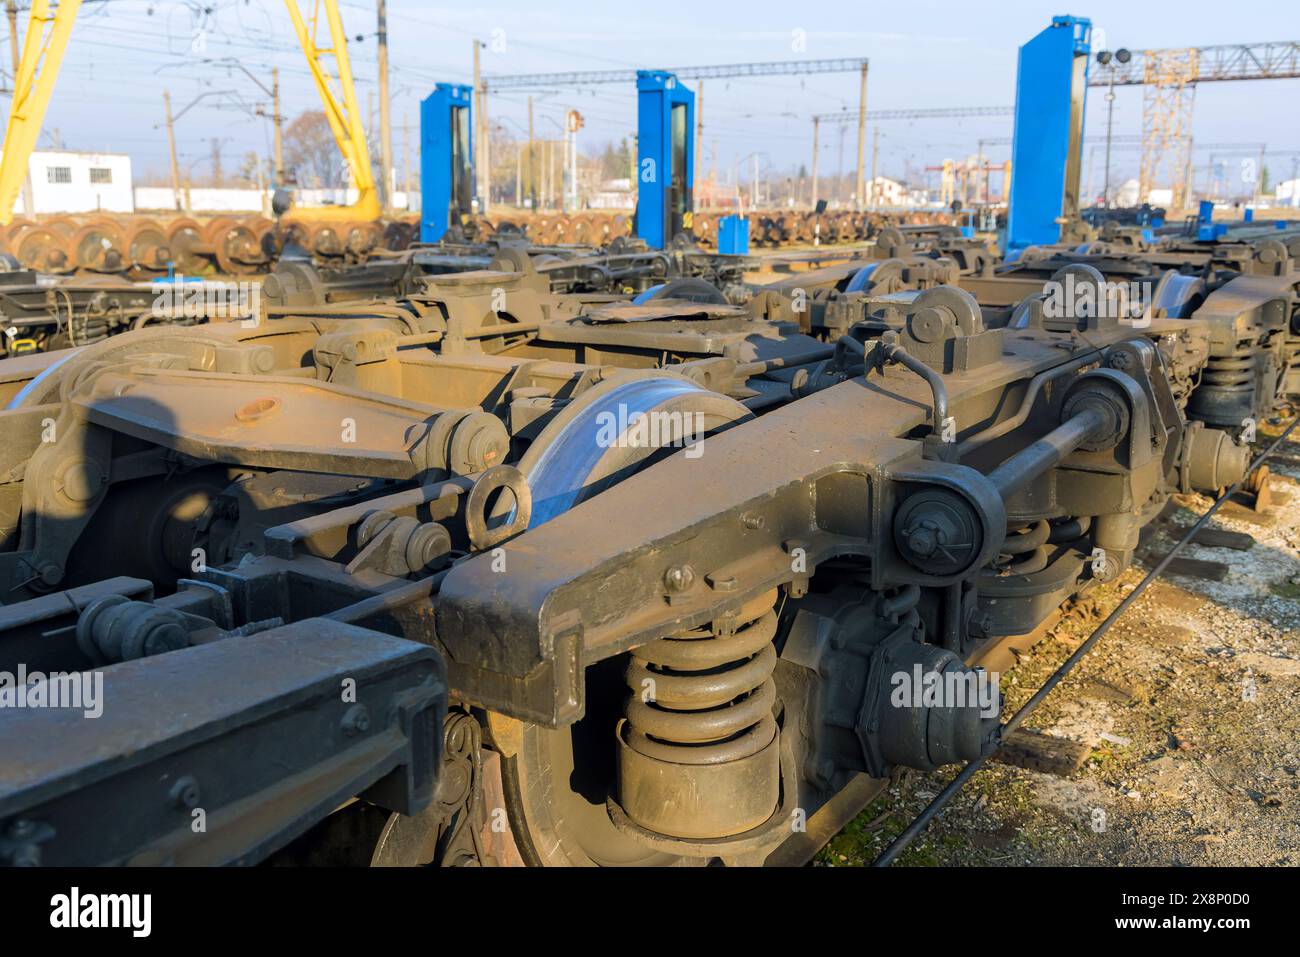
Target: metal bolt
<point x="185" y="792"/>
<point x="923" y="537"/>
<point x="356" y="720"/>
<point x="679" y="578"/>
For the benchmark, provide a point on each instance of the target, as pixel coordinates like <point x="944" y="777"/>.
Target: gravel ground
<point x="1191" y="705"/>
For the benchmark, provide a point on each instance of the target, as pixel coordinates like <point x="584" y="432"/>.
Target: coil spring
<point x="1024" y="551"/>
<point x="1235" y="373"/>
<point x="702" y="698"/>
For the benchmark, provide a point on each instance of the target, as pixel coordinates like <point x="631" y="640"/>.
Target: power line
<point x="533" y="81"/>
<point x="938" y="113"/>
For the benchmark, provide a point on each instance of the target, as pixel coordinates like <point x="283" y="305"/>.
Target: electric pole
<point x="484" y="149"/>
<point x="875" y="151"/>
<point x="1110" y="121"/>
<point x="482" y="136"/>
<point x="699" y="129"/>
<point x="171" y="145"/>
<point x="632" y="171"/>
<point x="11" y="8"/>
<point x="278" y="120"/>
<point x="532" y="158"/>
<point x="406" y="157"/>
<point x="385" y="120"/>
<point x="862" y="138"/>
<point x="1259" y="179"/>
<point x="218" y="178"/>
<point x="816" y="123"/>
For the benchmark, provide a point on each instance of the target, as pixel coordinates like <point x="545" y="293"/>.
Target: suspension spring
<point x="1024" y="551"/>
<point x="698" y="754"/>
<point x="1228" y="386"/>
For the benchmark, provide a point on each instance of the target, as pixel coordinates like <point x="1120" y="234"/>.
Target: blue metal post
<point x="1047" y="145"/>
<point x="446" y="160"/>
<point x="665" y="157"/>
<point x="733" y="236"/>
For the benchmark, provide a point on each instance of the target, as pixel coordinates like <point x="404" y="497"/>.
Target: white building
<point x="613" y="194"/>
<point x="1288" y="193"/>
<point x="887" y="192"/>
<point x="64" y="181"/>
<point x="1126" y="196"/>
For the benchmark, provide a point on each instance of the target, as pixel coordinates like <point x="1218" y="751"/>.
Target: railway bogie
<point x="657" y="562"/>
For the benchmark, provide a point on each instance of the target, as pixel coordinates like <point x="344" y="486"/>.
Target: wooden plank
<point x="1195" y="568"/>
<point x="1223" y="538"/>
<point x="1027" y="748"/>
<point x="1244" y="513"/>
<point x="827" y="821"/>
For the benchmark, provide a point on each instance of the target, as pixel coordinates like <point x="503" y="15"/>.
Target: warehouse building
<point x="65" y="181"/>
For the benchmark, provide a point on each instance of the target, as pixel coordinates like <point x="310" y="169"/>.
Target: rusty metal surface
<point x="894" y="467"/>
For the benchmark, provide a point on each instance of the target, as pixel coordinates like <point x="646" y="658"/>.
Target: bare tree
<point x="310" y="152"/>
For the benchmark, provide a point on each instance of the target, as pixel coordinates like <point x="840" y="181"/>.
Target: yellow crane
<point x="38" y="68"/>
<point x="47" y="40"/>
<point x="339" y="96"/>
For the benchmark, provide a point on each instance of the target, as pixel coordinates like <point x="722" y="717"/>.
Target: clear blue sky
<point x="924" y="53"/>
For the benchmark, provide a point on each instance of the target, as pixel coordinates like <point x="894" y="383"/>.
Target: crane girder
<point x="47" y="39"/>
<point x="338" y="95"/>
<point x="1233" y="61"/>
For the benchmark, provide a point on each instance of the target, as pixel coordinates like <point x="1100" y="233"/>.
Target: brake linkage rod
<point x="919" y="823"/>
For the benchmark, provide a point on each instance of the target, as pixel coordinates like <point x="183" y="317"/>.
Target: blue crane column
<point x="665" y="157"/>
<point x="1047" y="146"/>
<point x="446" y="160"/>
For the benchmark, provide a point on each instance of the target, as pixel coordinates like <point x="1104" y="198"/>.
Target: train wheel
<point x="186" y="242"/>
<point x="327" y="240"/>
<point x="43" y="250"/>
<point x="63" y="225"/>
<point x="362" y="238"/>
<point x="99" y="248"/>
<point x="237" y="247"/>
<point x="580" y="230"/>
<point x="268" y="238"/>
<point x="398" y="236"/>
<point x="295" y="233"/>
<point x="146" y="246"/>
<point x="558" y="781"/>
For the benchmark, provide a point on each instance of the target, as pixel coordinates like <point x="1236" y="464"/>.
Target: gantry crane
<point x="338" y="95"/>
<point x="544" y="81"/>
<point x="47" y="39"/>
